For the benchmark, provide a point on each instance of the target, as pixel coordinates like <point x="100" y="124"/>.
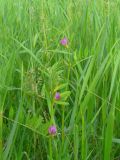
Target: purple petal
<point x="64" y="42"/>
<point x="52" y="130"/>
<point x="57" y="96"/>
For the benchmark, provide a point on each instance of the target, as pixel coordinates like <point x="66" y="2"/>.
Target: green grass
<point x="34" y="66"/>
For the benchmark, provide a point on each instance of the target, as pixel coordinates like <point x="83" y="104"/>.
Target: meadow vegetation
<point x="59" y="79"/>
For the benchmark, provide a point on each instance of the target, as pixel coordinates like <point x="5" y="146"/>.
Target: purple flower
<point x="52" y="130"/>
<point x="64" y="42"/>
<point x="57" y="96"/>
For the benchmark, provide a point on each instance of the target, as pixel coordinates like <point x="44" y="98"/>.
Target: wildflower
<point x="57" y="96"/>
<point x="64" y="42"/>
<point x="52" y="130"/>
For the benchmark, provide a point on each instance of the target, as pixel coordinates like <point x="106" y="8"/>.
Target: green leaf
<point x="11" y="112"/>
<point x="62" y="103"/>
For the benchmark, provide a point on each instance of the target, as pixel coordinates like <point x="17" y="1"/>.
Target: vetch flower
<point x="64" y="42"/>
<point x="57" y="96"/>
<point x="52" y="130"/>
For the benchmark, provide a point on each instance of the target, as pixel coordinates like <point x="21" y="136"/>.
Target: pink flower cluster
<point x="64" y="42"/>
<point x="52" y="130"/>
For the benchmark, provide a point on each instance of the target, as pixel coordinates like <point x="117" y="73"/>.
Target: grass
<point x="34" y="66"/>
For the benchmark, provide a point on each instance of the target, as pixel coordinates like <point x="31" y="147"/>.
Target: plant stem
<point x="63" y="125"/>
<point x="1" y="121"/>
<point x="50" y="147"/>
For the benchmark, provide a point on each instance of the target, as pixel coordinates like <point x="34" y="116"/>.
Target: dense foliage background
<point x="86" y="73"/>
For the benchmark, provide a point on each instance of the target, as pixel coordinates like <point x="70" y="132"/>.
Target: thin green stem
<point x="63" y="134"/>
<point x="50" y="148"/>
<point x="1" y="121"/>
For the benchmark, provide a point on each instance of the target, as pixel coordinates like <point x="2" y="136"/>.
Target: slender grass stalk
<point x="76" y="142"/>
<point x="63" y="108"/>
<point x="50" y="148"/>
<point x="83" y="145"/>
<point x="1" y="123"/>
<point x="63" y="127"/>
